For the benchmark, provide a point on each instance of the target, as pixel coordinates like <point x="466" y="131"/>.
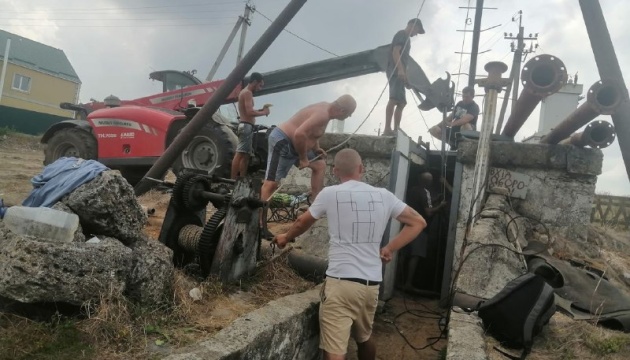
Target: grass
<point x="6" y="131"/>
<point x="116" y="328"/>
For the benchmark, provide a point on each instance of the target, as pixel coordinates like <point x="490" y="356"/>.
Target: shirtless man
<point x="245" y="130"/>
<point x="296" y="142"/>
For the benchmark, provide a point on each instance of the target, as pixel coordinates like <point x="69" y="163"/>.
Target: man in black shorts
<point x="397" y="74"/>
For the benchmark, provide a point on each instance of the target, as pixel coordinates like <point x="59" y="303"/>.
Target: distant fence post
<point x="611" y="210"/>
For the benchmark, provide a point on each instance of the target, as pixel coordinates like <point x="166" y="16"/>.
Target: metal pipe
<point x="542" y="76"/>
<point x="210" y="107"/>
<point x="597" y="134"/>
<point x="608" y="67"/>
<point x="493" y="84"/>
<point x="603" y="98"/>
<point x="224" y="50"/>
<point x="508" y="91"/>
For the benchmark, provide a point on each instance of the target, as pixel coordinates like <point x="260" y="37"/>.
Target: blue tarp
<point x="61" y="178"/>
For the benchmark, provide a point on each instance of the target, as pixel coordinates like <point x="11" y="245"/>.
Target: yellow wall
<point x="45" y="94"/>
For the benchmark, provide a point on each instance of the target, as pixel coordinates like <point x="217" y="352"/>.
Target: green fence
<point x="25" y="121"/>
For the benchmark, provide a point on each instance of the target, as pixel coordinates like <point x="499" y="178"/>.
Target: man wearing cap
<point x="397" y="74"/>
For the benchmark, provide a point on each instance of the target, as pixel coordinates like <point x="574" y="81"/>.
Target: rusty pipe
<point x="597" y="134"/>
<point x="603" y="98"/>
<point x="542" y="76"/>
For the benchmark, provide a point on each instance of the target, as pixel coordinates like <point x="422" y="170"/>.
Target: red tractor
<point x="130" y="135"/>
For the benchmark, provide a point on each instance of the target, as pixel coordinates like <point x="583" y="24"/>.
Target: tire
<point x="211" y="151"/>
<point x="70" y="142"/>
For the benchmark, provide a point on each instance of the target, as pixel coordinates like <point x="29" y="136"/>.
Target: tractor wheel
<point x="211" y="151"/>
<point x="70" y="142"/>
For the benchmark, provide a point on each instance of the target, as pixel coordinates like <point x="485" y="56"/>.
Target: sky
<point x="113" y="45"/>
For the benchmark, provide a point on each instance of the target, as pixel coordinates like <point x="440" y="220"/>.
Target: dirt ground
<point x="406" y="324"/>
<point x="22" y="158"/>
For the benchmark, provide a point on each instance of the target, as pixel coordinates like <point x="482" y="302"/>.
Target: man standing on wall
<point x="247" y="120"/>
<point x="397" y="74"/>
<point x="357" y="216"/>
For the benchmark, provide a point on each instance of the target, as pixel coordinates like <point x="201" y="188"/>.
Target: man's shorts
<point x="396" y="89"/>
<point x="346" y="307"/>
<point x="245" y="133"/>
<point x="281" y="156"/>
<point x="419" y="245"/>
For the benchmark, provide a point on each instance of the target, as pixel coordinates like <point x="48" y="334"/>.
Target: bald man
<point x="296" y="143"/>
<point x="357" y="216"/>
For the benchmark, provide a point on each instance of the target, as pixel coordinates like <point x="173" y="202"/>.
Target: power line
<point x="124" y="19"/>
<point x="75" y="10"/>
<point x="461" y="52"/>
<point x="297" y="36"/>
<point x="119" y="26"/>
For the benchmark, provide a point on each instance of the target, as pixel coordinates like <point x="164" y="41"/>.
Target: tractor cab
<point x="175" y="80"/>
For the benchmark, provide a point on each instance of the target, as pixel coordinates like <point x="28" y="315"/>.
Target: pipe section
<point x="597" y="134"/>
<point x="603" y="98"/>
<point x="542" y="76"/>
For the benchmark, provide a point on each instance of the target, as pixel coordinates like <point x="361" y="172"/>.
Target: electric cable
<point x="296" y="35"/>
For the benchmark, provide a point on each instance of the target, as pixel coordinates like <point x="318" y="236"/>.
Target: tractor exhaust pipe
<point x="603" y="98"/>
<point x="597" y="134"/>
<point x="542" y="76"/>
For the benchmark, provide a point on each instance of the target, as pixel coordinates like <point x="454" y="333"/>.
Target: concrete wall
<point x="286" y="328"/>
<point x="376" y="153"/>
<point x="561" y="188"/>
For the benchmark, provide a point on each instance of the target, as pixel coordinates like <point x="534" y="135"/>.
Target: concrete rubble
<point x="118" y="259"/>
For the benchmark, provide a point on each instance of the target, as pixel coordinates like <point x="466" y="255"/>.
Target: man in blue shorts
<point x="296" y="143"/>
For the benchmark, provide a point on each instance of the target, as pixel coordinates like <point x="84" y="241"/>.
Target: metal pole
<point x="608" y="67"/>
<point x="244" y="26"/>
<point x="506" y="99"/>
<point x="5" y="61"/>
<point x="518" y="55"/>
<point x="210" y="107"/>
<point x="493" y="85"/>
<point x="224" y="50"/>
<point x="472" y="73"/>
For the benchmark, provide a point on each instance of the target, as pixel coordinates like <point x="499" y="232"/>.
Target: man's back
<point x="357" y="216"/>
<point x="316" y="114"/>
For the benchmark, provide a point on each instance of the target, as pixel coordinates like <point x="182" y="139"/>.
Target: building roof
<point x="37" y="56"/>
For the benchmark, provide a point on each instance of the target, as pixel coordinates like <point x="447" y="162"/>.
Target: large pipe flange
<point x="544" y="75"/>
<point x="605" y="96"/>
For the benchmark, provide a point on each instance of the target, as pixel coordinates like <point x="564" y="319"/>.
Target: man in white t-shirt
<point x="357" y="216"/>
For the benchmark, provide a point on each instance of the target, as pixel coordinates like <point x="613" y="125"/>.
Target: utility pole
<point x="242" y="23"/>
<point x="519" y="50"/>
<point x="472" y="73"/>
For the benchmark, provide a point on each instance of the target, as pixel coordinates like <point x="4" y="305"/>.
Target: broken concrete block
<point x="151" y="276"/>
<point x="33" y="271"/>
<point x="107" y="206"/>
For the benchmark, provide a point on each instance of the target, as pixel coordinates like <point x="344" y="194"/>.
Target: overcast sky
<point x="114" y="45"/>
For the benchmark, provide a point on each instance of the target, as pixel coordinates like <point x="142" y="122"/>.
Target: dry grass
<point x="116" y="328"/>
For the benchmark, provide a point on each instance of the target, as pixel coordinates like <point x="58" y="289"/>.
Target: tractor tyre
<point x="71" y="142"/>
<point x="211" y="151"/>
